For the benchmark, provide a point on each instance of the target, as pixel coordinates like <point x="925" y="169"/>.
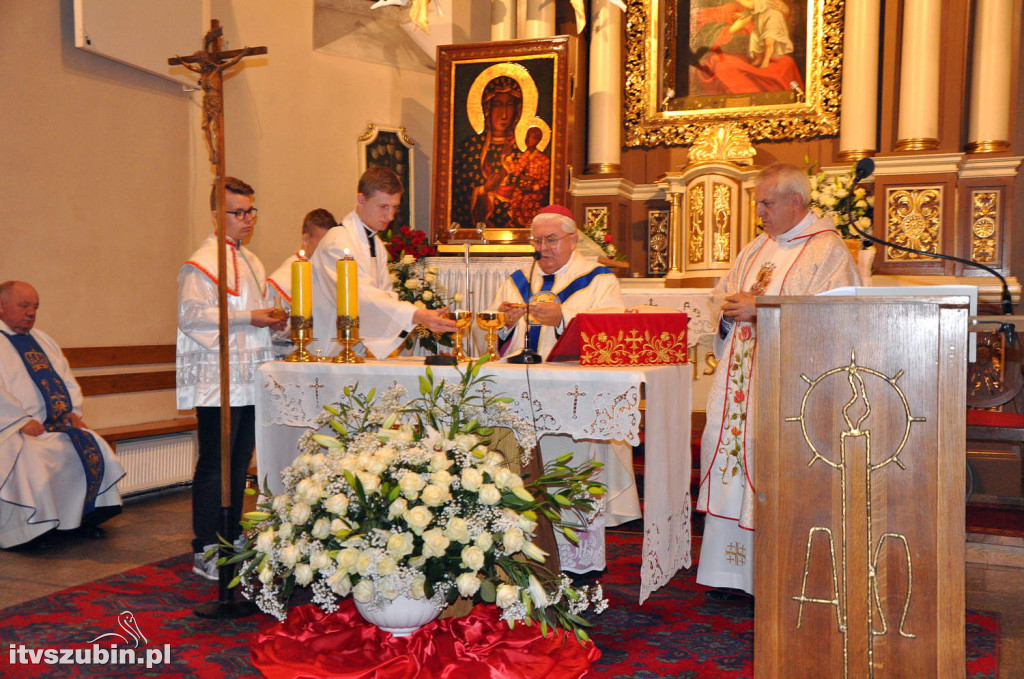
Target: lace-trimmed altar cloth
<point x="595" y="404"/>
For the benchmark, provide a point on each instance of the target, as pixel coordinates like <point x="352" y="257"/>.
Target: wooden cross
<point x="210" y="63"/>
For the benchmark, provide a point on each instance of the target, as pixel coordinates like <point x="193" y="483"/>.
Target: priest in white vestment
<point x="568" y="283"/>
<point x="54" y="472"/>
<point x="797" y="254"/>
<point x="384" y="320"/>
<point x="561" y="284"/>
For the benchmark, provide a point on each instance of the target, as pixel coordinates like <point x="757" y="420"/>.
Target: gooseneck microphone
<point x="528" y="356"/>
<point x="865" y="167"/>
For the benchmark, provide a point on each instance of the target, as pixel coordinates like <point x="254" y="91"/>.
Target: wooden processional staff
<point x="210" y="63"/>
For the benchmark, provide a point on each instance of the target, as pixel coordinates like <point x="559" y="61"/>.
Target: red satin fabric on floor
<point x="311" y="643"/>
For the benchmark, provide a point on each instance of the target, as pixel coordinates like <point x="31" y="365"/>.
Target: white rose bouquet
<point x="417" y="283"/>
<point x="406" y="498"/>
<point x="836" y="197"/>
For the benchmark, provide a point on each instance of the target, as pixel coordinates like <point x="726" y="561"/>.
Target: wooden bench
<point x="129" y="381"/>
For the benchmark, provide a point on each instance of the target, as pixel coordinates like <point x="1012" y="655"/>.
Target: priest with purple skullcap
<point x="559" y="284"/>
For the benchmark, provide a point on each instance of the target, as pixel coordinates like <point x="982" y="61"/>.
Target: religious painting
<point x="771" y="66"/>
<point x="392" y="148"/>
<point x="500" y="137"/>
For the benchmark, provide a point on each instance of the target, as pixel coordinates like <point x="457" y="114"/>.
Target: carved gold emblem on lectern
<point x="855" y="413"/>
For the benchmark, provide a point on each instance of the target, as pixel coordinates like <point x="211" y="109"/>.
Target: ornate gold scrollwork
<point x="721" y="252"/>
<point x="695" y="246"/>
<point x="913" y="220"/>
<point x="985" y="208"/>
<point x="657" y="241"/>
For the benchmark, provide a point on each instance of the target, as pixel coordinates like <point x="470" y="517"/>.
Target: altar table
<point x="596" y="404"/>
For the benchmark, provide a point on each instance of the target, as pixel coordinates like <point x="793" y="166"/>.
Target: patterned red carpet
<point x="678" y="633"/>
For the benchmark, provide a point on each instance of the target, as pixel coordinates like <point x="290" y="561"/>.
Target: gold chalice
<point x="463" y="320"/>
<point x="491" y="321"/>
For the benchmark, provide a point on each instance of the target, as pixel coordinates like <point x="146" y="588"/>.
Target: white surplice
<point x="808" y="259"/>
<point x="382" y="316"/>
<point x="42" y="482"/>
<point x="280" y="281"/>
<point x="198" y="350"/>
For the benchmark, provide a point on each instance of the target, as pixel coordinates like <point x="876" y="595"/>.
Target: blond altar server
<point x="562" y="284"/>
<point x="797" y="254"/>
<point x="384" y="320"/>
<point x="54" y="472"/>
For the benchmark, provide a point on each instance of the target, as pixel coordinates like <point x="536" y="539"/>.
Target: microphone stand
<point x="865" y="167"/>
<point x="528" y="356"/>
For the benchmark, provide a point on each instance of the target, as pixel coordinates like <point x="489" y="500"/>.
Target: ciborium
<point x="491" y="322"/>
<point x="463" y="320"/>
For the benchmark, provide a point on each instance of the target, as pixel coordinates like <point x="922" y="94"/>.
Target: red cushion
<point x="989" y="418"/>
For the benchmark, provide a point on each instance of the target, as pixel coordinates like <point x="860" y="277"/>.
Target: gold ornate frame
<point x="649" y="116"/>
<point x="391" y="146"/>
<point x="541" y="67"/>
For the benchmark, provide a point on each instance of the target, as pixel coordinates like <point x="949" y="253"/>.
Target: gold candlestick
<point x="302" y="335"/>
<point x="348" y="337"/>
<point x="491" y="321"/>
<point x="463" y="319"/>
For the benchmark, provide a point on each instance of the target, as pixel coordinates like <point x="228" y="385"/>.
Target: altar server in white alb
<point x="564" y="283"/>
<point x="315" y="226"/>
<point x="54" y="472"/>
<point x="384" y="320"/>
<point x="797" y="254"/>
<point x="250" y="319"/>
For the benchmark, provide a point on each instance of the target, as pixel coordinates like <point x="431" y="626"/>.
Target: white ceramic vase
<point x="401" y="617"/>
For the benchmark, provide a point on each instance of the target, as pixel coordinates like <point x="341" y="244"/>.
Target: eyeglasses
<point x="550" y="241"/>
<point x="242" y="214"/>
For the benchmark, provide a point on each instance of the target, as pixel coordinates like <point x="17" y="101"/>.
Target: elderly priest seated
<point x="562" y="284"/>
<point x="54" y="473"/>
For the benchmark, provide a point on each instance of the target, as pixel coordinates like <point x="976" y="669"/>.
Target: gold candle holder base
<point x="302" y="335"/>
<point x="491" y="321"/>
<point x="348" y="337"/>
<point x="463" y="319"/>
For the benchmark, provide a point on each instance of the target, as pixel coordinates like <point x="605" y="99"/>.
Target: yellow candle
<point x="348" y="293"/>
<point x="302" y="288"/>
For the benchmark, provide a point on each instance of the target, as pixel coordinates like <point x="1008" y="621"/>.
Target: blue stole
<point x="580" y="282"/>
<point x="58" y="410"/>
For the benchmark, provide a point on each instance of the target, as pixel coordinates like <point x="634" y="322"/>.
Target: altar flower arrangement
<point x="597" y="231"/>
<point x="835" y="196"/>
<point x="405" y="498"/>
<point x="417" y="283"/>
<point x="407" y="241"/>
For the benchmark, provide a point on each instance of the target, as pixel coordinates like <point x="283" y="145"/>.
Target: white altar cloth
<point x="598" y="404"/>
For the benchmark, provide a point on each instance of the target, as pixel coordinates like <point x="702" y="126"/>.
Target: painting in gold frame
<point x="500" y="137"/>
<point x="695" y="63"/>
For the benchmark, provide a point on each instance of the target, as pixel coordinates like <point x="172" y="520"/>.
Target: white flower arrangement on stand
<point x="405" y="499"/>
<point x="836" y="197"/>
<point x="418" y="284"/>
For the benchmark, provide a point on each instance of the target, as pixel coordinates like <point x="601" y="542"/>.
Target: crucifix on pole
<point x="210" y="63"/>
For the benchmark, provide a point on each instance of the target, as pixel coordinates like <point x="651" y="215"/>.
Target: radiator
<point x="156" y="462"/>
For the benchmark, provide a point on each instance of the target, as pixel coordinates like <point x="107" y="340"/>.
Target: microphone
<point x="865" y="167"/>
<point x="528" y="356"/>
